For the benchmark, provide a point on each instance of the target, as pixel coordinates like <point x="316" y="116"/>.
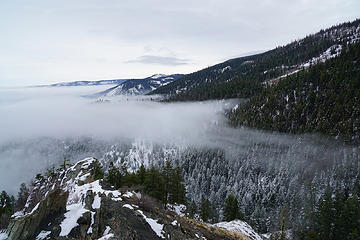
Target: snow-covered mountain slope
<point x="242" y="77"/>
<point x="72" y="204"/>
<point x="140" y="86"/>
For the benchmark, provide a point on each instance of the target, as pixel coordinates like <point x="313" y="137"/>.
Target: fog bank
<point x="61" y="112"/>
<point x="39" y="124"/>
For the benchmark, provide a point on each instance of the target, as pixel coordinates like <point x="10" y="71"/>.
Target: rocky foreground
<point x="73" y="204"/>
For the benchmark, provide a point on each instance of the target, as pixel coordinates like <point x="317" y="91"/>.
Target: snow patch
<point x="128" y="195"/>
<point x="3" y="235"/>
<point x="116" y="199"/>
<point x="331" y="52"/>
<point x="239" y="227"/>
<point x="266" y="235"/>
<point x="128" y="206"/>
<point x="43" y="235"/>
<point x="106" y="237"/>
<point x="155" y="226"/>
<point x="225" y="69"/>
<point x="89" y="231"/>
<point x="138" y="195"/>
<point x="106" y="234"/>
<point x="156" y="76"/>
<point x="97" y="202"/>
<point x="34" y="209"/>
<point x="180" y="209"/>
<point x="18" y="214"/>
<point x="75" y="211"/>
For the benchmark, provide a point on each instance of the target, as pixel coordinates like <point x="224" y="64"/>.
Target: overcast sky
<point x="44" y="41"/>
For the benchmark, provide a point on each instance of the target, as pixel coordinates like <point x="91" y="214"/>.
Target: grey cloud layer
<point x="52" y="40"/>
<point x="148" y="59"/>
<point x="61" y="112"/>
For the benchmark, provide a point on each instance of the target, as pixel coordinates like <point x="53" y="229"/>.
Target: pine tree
<point x="39" y="177"/>
<point x="130" y="179"/>
<point x="154" y="185"/>
<point x="6" y="209"/>
<point x="6" y="205"/>
<point x="114" y="176"/>
<point x="167" y="175"/>
<point x="98" y="171"/>
<point x="177" y="189"/>
<point x="66" y="163"/>
<point x="283" y="222"/>
<point x="22" y="197"/>
<point x="207" y="210"/>
<point x="325" y="217"/>
<point x="141" y="174"/>
<point x="192" y="209"/>
<point x="231" y="209"/>
<point x="351" y="217"/>
<point x="312" y="235"/>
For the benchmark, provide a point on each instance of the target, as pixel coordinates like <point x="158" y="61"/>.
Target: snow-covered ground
<point x="180" y="209"/>
<point x="155" y="226"/>
<point x="3" y="235"/>
<point x="42" y="235"/>
<point x="331" y="52"/>
<point x="239" y="227"/>
<point x="107" y="234"/>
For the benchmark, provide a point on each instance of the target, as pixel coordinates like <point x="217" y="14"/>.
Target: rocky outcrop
<point x="47" y="210"/>
<point x="77" y="206"/>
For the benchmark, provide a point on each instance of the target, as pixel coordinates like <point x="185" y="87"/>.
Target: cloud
<point x="46" y="41"/>
<point x="150" y="59"/>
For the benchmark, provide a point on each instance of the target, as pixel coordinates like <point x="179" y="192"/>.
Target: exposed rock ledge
<point x="73" y="205"/>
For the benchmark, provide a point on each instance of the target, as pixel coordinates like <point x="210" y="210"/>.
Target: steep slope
<point x="140" y="86"/>
<point x="242" y="77"/>
<point x="74" y="204"/>
<point x="325" y="99"/>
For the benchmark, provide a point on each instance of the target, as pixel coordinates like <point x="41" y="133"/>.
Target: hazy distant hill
<point x="87" y="83"/>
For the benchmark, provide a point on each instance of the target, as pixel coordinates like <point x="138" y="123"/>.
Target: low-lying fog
<point x="62" y="112"/>
<point x="31" y="114"/>
<point x="39" y="125"/>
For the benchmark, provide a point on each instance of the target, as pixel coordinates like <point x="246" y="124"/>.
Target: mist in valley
<point x="42" y="126"/>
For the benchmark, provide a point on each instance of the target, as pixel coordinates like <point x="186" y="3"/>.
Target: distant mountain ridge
<point x="86" y="83"/>
<point x="139" y="86"/>
<point x="124" y="86"/>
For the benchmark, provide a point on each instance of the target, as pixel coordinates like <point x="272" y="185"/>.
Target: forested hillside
<point x="243" y="77"/>
<point x="324" y="98"/>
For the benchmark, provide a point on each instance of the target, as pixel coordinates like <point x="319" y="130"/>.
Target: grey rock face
<point x="48" y="209"/>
